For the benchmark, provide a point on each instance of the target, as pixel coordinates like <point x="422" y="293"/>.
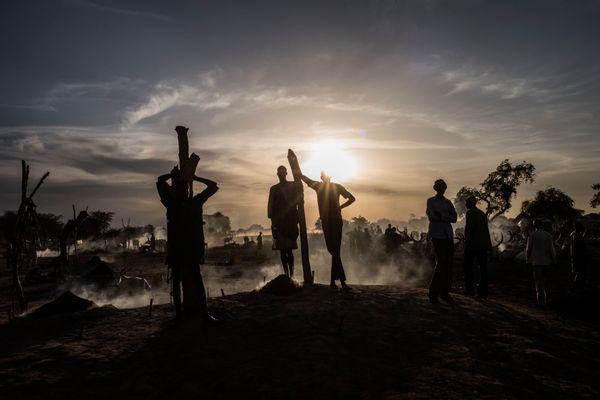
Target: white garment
<point x="540" y="248"/>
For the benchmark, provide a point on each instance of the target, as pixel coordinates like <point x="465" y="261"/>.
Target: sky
<point x="387" y="96"/>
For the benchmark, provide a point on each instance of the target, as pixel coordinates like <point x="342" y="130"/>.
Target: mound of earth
<point x="65" y="303"/>
<point x="282" y="285"/>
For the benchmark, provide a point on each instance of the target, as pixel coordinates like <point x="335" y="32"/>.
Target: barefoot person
<point x="477" y="246"/>
<point x="441" y="214"/>
<point x="330" y="212"/>
<point x="282" y="209"/>
<point x="185" y="240"/>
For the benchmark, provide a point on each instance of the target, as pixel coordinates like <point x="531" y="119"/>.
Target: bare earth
<point x="374" y="342"/>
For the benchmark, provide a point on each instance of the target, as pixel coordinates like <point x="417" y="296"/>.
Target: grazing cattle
<point x="132" y="285"/>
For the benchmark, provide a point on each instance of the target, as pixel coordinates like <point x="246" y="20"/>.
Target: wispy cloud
<point x="123" y="11"/>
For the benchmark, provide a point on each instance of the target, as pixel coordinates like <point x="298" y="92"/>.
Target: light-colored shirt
<point x="540" y="248"/>
<point x="441" y="214"/>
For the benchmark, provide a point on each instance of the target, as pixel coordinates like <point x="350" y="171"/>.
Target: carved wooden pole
<point x="297" y="173"/>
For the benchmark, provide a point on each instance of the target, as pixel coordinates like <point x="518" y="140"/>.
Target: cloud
<point x="124" y="12"/>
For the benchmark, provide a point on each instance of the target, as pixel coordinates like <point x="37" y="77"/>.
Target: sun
<point x="331" y="157"/>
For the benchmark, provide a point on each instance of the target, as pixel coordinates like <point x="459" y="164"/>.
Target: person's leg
<point x="176" y="289"/>
<point x="448" y="265"/>
<point x="290" y="259"/>
<point x="284" y="261"/>
<point x="482" y="289"/>
<point x="434" y="286"/>
<point x="540" y="284"/>
<point x="468" y="272"/>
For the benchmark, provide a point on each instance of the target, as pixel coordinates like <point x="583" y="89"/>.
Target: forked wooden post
<point x="297" y="173"/>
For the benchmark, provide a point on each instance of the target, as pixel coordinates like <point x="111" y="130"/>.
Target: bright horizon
<point x="383" y="97"/>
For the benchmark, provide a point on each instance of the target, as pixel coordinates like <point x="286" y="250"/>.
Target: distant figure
<point x="541" y="255"/>
<point x="185" y="238"/>
<point x="477" y="245"/>
<point x="152" y="243"/>
<point x="284" y="198"/>
<point x="441" y="214"/>
<point x="330" y="212"/>
<point x="366" y="241"/>
<point x="579" y="257"/>
<point x="259" y="243"/>
<point x="388" y="236"/>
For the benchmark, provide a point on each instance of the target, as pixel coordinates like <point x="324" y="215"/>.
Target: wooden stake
<point x="222" y="293"/>
<point x="297" y="173"/>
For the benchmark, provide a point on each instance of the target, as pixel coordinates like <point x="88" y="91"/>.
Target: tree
<point x="498" y="189"/>
<point x="359" y="221"/>
<point x="551" y="203"/>
<point x="217" y="223"/>
<point x="595" y="202"/>
<point x="95" y="225"/>
<point x="50" y="227"/>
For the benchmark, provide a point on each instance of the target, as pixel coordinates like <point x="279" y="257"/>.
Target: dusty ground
<point x="375" y="342"/>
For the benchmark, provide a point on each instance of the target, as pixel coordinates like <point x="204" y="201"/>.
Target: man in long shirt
<point x="477" y="245"/>
<point x="541" y="254"/>
<point x="282" y="209"/>
<point x="185" y="240"/>
<point x="330" y="211"/>
<point x="441" y="214"/>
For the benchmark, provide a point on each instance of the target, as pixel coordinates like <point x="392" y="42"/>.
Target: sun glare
<point x="333" y="159"/>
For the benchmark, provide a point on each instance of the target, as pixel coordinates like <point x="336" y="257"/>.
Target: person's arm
<point x="211" y="187"/>
<point x="270" y="204"/>
<point x="528" y="250"/>
<point x="347" y="195"/>
<point x="468" y="223"/>
<point x="451" y="215"/>
<point x="312" y="184"/>
<point x="552" y="250"/>
<point x="432" y="214"/>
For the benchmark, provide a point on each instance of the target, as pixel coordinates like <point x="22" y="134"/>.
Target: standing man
<point x="185" y="240"/>
<point x="441" y="214"/>
<point x="579" y="256"/>
<point x="541" y="254"/>
<point x="284" y="199"/>
<point x="477" y="245"/>
<point x="330" y="212"/>
<point x="259" y="243"/>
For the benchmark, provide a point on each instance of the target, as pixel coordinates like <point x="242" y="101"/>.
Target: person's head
<point x="440" y="186"/>
<point x="324" y="177"/>
<point x="578" y="227"/>
<point x="471" y="202"/>
<point x="281" y="172"/>
<point x="259" y="233"/>
<point x="538" y="224"/>
<point x="390" y="226"/>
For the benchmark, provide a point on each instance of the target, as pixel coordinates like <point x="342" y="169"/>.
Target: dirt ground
<point x="374" y="342"/>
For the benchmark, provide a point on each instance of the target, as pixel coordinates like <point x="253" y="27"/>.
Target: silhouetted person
<point x="541" y="254"/>
<point x="284" y="198"/>
<point x="388" y="236"/>
<point x="477" y="246"/>
<point x="441" y="214"/>
<point x="152" y="243"/>
<point x="185" y="238"/>
<point x="579" y="256"/>
<point x="365" y="241"/>
<point x="259" y="242"/>
<point x="330" y="212"/>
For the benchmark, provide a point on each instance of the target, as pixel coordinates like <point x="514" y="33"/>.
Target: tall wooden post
<point x="297" y="173"/>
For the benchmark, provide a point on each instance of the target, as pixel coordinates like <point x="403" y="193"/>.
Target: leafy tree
<point x="499" y="188"/>
<point x="95" y="225"/>
<point x="217" y="223"/>
<point x="551" y="203"/>
<point x="359" y="221"/>
<point x="8" y="223"/>
<point x="595" y="202"/>
<point x="50" y="227"/>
